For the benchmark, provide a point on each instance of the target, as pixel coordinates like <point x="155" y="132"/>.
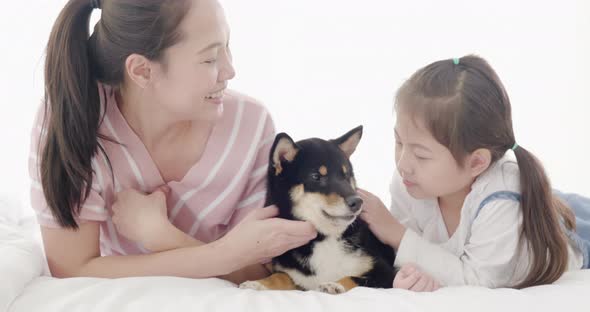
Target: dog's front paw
<point x="253" y="285"/>
<point x="331" y="288"/>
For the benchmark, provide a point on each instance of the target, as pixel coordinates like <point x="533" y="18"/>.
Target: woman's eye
<point x="210" y="61"/>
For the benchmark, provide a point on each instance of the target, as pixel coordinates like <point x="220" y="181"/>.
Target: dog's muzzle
<point x="354" y="203"/>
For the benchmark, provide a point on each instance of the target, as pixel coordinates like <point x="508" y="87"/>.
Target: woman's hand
<point x="261" y="237"/>
<point x="381" y="222"/>
<point x="142" y="218"/>
<point x="410" y="278"/>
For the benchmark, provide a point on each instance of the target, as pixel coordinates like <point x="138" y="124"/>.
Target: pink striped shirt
<point x="214" y="195"/>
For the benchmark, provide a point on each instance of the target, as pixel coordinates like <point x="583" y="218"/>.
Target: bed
<point x="26" y="286"/>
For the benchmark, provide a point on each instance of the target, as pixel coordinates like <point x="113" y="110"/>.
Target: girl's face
<point x="427" y="167"/>
<point x="190" y="82"/>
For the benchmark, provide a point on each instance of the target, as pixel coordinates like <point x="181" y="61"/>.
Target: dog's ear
<point x="283" y="149"/>
<point x="350" y="140"/>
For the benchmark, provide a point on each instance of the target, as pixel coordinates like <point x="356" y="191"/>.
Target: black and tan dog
<point x="313" y="180"/>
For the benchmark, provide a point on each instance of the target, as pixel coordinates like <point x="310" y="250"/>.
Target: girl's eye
<point x="421" y="158"/>
<point x="315" y="176"/>
<point x="210" y="61"/>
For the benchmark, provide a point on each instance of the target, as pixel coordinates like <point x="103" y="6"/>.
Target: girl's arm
<point x="411" y="278"/>
<point x="489" y="258"/>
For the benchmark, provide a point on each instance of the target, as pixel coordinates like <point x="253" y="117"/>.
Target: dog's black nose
<point x="354" y="202"/>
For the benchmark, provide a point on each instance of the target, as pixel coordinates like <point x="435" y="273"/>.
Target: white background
<point x="324" y="67"/>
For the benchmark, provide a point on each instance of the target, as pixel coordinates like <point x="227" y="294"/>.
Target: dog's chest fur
<point x="330" y="260"/>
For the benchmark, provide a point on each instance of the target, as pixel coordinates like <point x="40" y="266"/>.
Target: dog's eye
<point x="315" y="176"/>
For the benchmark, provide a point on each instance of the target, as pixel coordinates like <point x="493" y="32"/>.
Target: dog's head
<point x="313" y="180"/>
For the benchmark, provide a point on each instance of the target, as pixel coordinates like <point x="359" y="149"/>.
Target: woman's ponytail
<point x="72" y="113"/>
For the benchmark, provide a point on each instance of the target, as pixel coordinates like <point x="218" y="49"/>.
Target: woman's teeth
<point x="215" y="95"/>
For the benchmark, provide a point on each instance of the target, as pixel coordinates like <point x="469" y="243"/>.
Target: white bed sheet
<point x="24" y="288"/>
<point x="180" y="294"/>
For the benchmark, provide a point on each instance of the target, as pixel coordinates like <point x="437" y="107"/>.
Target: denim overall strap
<point x="579" y="205"/>
<point x="496" y="196"/>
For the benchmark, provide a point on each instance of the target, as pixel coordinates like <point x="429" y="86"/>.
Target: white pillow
<point x="10" y="210"/>
<point x="21" y="261"/>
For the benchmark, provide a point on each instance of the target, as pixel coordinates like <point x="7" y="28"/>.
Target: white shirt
<point x="484" y="249"/>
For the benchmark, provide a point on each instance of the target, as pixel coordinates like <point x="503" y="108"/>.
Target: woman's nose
<point x="227" y="71"/>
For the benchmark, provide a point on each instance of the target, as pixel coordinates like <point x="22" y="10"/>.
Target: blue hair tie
<point x="456" y="61"/>
<point x="514" y="147"/>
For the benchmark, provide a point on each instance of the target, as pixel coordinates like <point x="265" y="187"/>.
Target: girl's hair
<point x="74" y="64"/>
<point x="465" y="106"/>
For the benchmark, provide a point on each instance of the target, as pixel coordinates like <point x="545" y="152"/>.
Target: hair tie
<point x="95" y="4"/>
<point x="456" y="61"/>
<point x="514" y="147"/>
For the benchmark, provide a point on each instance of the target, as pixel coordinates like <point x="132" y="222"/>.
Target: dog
<point x="313" y="180"/>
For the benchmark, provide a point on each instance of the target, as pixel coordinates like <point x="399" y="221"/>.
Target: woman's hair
<point x="465" y="106"/>
<point x="74" y="64"/>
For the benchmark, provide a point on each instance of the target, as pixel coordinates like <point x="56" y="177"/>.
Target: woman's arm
<point x="173" y="238"/>
<point x="258" y="237"/>
<point x="77" y="253"/>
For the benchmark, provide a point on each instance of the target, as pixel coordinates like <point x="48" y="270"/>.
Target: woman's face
<point x="190" y="82"/>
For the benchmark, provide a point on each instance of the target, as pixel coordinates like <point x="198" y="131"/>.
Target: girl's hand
<point x="381" y="222"/>
<point x="142" y="218"/>
<point x="261" y="237"/>
<point x="410" y="278"/>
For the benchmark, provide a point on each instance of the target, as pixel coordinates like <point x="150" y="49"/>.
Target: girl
<point x="469" y="205"/>
<point x="139" y="147"/>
